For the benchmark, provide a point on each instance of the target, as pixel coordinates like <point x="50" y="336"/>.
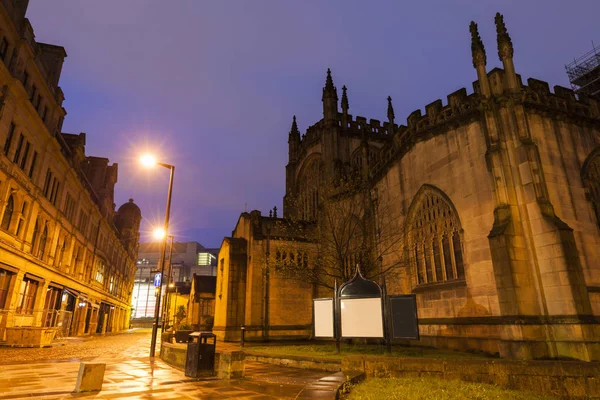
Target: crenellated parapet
<point x="537" y="96"/>
<point x="460" y="109"/>
<point x="374" y="128"/>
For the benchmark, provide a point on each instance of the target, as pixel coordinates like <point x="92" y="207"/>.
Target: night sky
<point x="211" y="86"/>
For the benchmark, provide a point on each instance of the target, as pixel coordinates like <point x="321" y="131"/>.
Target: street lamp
<point x="149" y="161"/>
<point x="167" y="302"/>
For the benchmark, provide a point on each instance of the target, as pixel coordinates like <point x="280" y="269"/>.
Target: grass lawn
<point x="328" y="351"/>
<point x="433" y="389"/>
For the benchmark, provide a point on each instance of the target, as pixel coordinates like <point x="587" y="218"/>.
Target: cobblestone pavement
<point x="131" y="374"/>
<point x="134" y="343"/>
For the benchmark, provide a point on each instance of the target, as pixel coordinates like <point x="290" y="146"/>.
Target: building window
<point x="33" y="93"/>
<point x="206" y="259"/>
<point x="5" y="277"/>
<point x="19" y="147"/>
<point x="3" y="47"/>
<point x="25" y="79"/>
<point x="36" y="232"/>
<point x="54" y="194"/>
<point x="27" y="296"/>
<point x="309" y="182"/>
<point x="9" y="138"/>
<point x="61" y="253"/>
<point x="42" y="246"/>
<point x="435" y="238"/>
<point x="47" y="182"/>
<point x="83" y="222"/>
<point x="32" y="167"/>
<point x="69" y="207"/>
<point x="22" y="218"/>
<point x="25" y="154"/>
<point x="100" y="272"/>
<point x="8" y="213"/>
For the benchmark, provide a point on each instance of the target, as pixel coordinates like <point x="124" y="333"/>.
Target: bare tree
<point x="351" y="228"/>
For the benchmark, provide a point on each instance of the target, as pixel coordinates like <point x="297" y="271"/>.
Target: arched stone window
<point x="590" y="175"/>
<point x="308" y="190"/>
<point x="8" y="213"/>
<point x="434" y="238"/>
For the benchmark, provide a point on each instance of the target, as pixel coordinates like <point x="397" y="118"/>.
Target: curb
<point x="330" y="387"/>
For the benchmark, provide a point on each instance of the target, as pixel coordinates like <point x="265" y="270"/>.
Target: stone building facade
<point x="495" y="196"/>
<point x="67" y="258"/>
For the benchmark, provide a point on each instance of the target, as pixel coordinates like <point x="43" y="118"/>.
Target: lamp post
<point x="149" y="161"/>
<point x="167" y="302"/>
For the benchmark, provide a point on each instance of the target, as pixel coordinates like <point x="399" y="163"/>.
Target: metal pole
<point x="175" y="309"/>
<point x="165" y="309"/>
<point x="336" y="317"/>
<point x="162" y="269"/>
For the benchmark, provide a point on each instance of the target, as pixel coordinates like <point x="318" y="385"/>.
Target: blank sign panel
<point x="361" y="318"/>
<point x="404" y="317"/>
<point x="323" y="314"/>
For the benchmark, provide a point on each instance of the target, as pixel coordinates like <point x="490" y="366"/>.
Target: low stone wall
<point x="569" y="379"/>
<point x="30" y="336"/>
<point x="228" y="365"/>
<point x="323" y="364"/>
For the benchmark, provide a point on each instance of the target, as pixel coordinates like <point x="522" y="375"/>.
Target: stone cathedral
<point x="496" y="197"/>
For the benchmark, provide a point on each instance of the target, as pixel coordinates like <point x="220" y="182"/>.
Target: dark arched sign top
<point x="359" y="287"/>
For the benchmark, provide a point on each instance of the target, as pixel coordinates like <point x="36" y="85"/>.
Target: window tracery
<point x="308" y="193"/>
<point x="435" y="239"/>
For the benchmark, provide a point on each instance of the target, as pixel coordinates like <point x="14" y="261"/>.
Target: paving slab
<point x="51" y="373"/>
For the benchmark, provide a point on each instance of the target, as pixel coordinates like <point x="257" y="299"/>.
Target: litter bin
<point x="200" y="357"/>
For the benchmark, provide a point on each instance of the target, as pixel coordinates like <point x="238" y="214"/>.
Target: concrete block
<point x="90" y="377"/>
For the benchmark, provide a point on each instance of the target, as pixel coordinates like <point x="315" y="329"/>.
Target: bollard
<point x="90" y="377"/>
<point x="242" y="339"/>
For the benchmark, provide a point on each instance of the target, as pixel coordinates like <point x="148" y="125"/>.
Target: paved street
<point x="51" y="373"/>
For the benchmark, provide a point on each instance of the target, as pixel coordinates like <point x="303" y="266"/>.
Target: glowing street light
<point x="158" y="233"/>
<point x="149" y="161"/>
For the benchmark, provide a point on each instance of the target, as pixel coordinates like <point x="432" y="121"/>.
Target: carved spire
<point x="294" y="132"/>
<point x="330" y="100"/>
<point x="329" y="82"/>
<point x="505" y="47"/>
<point x="477" y="48"/>
<point x="345" y="105"/>
<point x="390" y="110"/>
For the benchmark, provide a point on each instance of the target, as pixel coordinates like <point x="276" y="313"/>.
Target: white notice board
<point x="361" y="318"/>
<point x="323" y="317"/>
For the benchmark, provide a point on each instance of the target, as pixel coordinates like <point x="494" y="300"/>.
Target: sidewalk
<point x="142" y="378"/>
<point x="131" y="374"/>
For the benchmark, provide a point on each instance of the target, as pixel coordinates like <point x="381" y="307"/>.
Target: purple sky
<point x="211" y="86"/>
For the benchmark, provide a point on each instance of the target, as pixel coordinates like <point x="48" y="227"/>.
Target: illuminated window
<point x="5" y="277"/>
<point x="27" y="293"/>
<point x="206" y="259"/>
<point x="100" y="270"/>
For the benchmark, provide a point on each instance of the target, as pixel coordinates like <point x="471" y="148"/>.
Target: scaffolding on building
<point x="584" y="73"/>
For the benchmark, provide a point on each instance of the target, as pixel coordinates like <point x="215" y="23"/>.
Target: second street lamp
<point x="167" y="302"/>
<point x="149" y="161"/>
